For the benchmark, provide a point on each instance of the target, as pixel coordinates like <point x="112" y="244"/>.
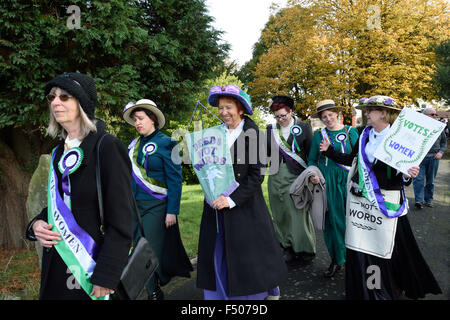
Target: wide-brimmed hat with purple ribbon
<point x="233" y="91"/>
<point x="378" y="101"/>
<point x="145" y="104"/>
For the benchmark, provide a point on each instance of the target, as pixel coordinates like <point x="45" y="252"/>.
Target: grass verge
<point x="19" y="268"/>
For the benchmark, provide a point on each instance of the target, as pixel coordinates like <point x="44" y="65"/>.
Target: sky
<point x="242" y="22"/>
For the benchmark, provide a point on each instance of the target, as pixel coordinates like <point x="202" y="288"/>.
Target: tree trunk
<point x="19" y="154"/>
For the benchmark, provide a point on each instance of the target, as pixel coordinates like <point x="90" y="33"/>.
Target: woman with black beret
<point x="82" y="259"/>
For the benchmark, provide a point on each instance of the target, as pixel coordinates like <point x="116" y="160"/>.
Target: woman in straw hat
<point x="157" y="189"/>
<point x="404" y="269"/>
<point x="291" y="139"/>
<point x="241" y="259"/>
<point x="344" y="139"/>
<point x="80" y="261"/>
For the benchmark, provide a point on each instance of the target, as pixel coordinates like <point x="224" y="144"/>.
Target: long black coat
<point x="254" y="260"/>
<point x="118" y="216"/>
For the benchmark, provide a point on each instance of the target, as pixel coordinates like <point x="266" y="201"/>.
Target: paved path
<point x="431" y="228"/>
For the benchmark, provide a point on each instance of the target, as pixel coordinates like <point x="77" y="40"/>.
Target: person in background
<point x="291" y="138"/>
<point x="72" y="219"/>
<point x="344" y="139"/>
<point x="241" y="260"/>
<point x="424" y="182"/>
<point x="157" y="190"/>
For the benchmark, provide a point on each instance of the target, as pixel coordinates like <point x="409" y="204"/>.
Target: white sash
<point x="137" y="172"/>
<point x="327" y="138"/>
<point x="284" y="149"/>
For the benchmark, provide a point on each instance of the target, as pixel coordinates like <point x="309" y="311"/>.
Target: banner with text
<point x="211" y="160"/>
<point x="409" y="139"/>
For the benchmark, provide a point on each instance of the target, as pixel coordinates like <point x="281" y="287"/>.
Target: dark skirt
<point x="221" y="274"/>
<point x="165" y="242"/>
<point x="60" y="284"/>
<point x="406" y="271"/>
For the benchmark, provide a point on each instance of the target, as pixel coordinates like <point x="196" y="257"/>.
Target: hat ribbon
<point x="129" y="105"/>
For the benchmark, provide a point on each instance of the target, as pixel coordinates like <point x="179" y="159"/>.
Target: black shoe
<point x="332" y="269"/>
<point x="157" y="294"/>
<point x="306" y="257"/>
<point x="419" y="205"/>
<point x="428" y="204"/>
<point x="288" y="255"/>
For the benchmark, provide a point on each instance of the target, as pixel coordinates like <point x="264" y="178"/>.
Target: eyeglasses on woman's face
<point x="281" y="116"/>
<point x="63" y="97"/>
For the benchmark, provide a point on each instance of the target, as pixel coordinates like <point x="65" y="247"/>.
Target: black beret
<point x="80" y="86"/>
<point x="287" y="101"/>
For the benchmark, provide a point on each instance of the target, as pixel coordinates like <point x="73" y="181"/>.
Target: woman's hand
<point x="43" y="233"/>
<point x="314" y="179"/>
<point x="413" y="172"/>
<point x="100" y="291"/>
<point x="324" y="145"/>
<point x="171" y="219"/>
<point x="220" y="203"/>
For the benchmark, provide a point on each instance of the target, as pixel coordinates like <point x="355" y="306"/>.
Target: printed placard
<point x="409" y="139"/>
<point x="211" y="161"/>
<point x="367" y="229"/>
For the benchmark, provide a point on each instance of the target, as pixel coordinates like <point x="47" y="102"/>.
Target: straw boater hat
<point x="324" y="105"/>
<point x="145" y="104"/>
<point x="378" y="101"/>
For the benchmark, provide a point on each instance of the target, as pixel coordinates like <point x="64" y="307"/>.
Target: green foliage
<point x="134" y="49"/>
<point x="177" y="124"/>
<point x="442" y="77"/>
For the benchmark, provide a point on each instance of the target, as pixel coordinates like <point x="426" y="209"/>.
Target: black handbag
<point x="142" y="262"/>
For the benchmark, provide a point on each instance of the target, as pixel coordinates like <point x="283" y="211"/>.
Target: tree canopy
<point x="155" y="49"/>
<point x="345" y="50"/>
<point x="134" y="49"/>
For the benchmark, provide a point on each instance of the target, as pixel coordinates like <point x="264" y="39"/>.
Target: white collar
<point x="71" y="143"/>
<point x="234" y="134"/>
<point x="378" y="136"/>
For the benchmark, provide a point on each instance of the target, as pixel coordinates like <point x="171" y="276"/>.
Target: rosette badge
<point x="71" y="160"/>
<point x="341" y="137"/>
<point x="150" y="148"/>
<point x="296" y="130"/>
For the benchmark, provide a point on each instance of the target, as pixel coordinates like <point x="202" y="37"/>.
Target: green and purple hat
<point x="232" y="91"/>
<point x="378" y="101"/>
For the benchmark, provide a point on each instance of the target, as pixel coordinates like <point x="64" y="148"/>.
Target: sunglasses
<point x="432" y="114"/>
<point x="63" y="97"/>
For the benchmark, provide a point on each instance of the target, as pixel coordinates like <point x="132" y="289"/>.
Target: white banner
<point x="367" y="229"/>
